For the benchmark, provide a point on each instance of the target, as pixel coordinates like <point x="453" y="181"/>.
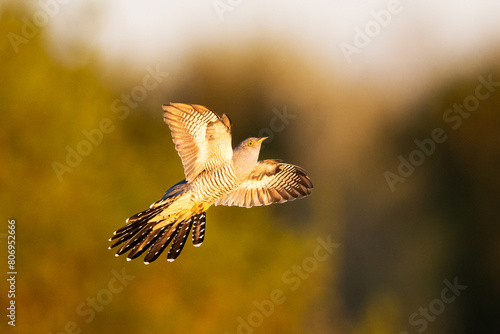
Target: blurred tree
<point x="440" y="224"/>
<point x="65" y="214"/>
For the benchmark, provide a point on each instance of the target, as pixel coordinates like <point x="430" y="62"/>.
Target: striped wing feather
<point x="201" y="137"/>
<point x="271" y="181"/>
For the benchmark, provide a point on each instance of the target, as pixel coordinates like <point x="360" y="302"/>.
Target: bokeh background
<point x="360" y="84"/>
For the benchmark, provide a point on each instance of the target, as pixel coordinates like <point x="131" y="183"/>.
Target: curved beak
<point x="261" y="139"/>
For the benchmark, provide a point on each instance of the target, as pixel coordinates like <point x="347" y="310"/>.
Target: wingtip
<point x="226" y="120"/>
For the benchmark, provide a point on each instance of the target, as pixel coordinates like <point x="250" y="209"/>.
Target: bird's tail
<point x="156" y="227"/>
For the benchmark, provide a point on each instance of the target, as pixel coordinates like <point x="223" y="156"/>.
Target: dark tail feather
<point x="199" y="228"/>
<point x="137" y="230"/>
<point x="139" y="234"/>
<point x="126" y="235"/>
<point x="160" y="244"/>
<point x="135" y="239"/>
<point x="146" y="242"/>
<point x="139" y="220"/>
<point x="180" y="239"/>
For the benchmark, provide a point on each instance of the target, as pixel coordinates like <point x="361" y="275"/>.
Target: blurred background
<point x="392" y="108"/>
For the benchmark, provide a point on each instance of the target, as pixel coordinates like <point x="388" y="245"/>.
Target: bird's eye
<point x="250" y="143"/>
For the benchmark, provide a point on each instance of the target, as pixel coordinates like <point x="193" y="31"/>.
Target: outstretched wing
<point x="201" y="137"/>
<point x="271" y="181"/>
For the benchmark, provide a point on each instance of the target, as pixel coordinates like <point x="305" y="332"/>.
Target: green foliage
<point x="67" y="207"/>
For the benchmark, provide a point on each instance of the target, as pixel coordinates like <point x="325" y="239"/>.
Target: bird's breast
<point x="209" y="186"/>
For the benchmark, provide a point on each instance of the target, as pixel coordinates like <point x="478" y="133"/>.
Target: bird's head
<point x="246" y="155"/>
<point x="252" y="144"/>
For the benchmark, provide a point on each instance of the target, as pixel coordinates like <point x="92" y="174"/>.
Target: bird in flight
<point x="216" y="174"/>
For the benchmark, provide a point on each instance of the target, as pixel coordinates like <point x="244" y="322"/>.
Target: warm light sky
<point x="421" y="38"/>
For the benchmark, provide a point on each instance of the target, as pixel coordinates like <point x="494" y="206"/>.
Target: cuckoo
<point x="216" y="174"/>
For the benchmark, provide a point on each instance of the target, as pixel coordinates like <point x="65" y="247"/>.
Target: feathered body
<point x="215" y="174"/>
